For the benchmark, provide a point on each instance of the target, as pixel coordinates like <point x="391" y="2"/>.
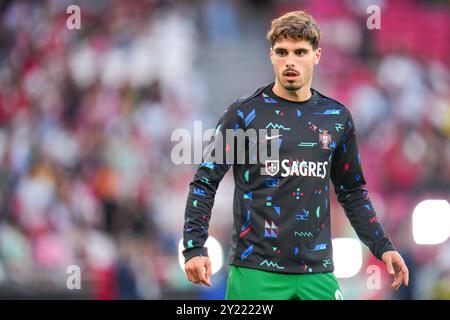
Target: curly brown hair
<point x="297" y="25"/>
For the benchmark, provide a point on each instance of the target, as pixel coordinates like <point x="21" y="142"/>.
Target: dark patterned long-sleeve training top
<point x="282" y="218"/>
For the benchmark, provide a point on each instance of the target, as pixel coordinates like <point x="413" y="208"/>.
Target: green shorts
<point x="252" y="284"/>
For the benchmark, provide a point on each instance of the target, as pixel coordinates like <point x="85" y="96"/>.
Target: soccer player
<point x="281" y="241"/>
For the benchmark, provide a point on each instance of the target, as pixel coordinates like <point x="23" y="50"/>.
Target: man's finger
<point x="398" y="280"/>
<point x="208" y="272"/>
<point x="394" y="283"/>
<point x="389" y="266"/>
<point x="406" y="273"/>
<point x="401" y="279"/>
<point x="200" y="273"/>
<point x="203" y="278"/>
<point x="402" y="272"/>
<point x="197" y="273"/>
<point x="192" y="272"/>
<point x="191" y="275"/>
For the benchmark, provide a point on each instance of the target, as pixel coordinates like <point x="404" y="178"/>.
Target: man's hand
<point x="198" y="270"/>
<point x="397" y="267"/>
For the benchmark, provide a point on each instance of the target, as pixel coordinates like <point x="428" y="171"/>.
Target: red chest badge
<point x="325" y="139"/>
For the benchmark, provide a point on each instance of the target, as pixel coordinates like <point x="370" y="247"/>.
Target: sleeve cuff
<point x="194" y="252"/>
<point x="385" y="245"/>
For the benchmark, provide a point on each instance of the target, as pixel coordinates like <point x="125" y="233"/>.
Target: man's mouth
<point x="290" y="75"/>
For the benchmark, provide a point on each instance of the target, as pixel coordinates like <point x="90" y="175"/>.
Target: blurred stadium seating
<point x="86" y="118"/>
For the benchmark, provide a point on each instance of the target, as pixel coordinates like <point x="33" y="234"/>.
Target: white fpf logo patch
<point x="272" y="167"/>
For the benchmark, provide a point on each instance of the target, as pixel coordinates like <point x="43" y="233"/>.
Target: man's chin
<point x="291" y="86"/>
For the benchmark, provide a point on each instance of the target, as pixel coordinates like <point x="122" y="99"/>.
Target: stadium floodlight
<point x="347" y="257"/>
<point x="215" y="254"/>
<point x="431" y="222"/>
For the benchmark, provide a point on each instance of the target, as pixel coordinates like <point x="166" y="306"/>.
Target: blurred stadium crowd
<point x="86" y="118"/>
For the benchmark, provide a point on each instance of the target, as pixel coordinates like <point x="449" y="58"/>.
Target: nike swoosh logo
<point x="272" y="137"/>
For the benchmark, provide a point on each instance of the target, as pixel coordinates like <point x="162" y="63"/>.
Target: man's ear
<point x="271" y="54"/>
<point x="317" y="55"/>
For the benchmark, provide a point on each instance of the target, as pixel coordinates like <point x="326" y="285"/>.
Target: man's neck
<point x="302" y="94"/>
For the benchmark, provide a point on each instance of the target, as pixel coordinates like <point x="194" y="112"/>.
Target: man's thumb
<point x="389" y="266"/>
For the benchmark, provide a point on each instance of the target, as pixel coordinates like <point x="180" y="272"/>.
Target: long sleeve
<point x="203" y="187"/>
<point x="349" y="184"/>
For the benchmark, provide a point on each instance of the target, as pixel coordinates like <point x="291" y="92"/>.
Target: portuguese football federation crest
<point x="325" y="139"/>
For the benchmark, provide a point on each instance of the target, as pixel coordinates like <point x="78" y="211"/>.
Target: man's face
<point x="293" y="62"/>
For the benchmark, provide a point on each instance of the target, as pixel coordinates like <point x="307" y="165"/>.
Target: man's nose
<point x="290" y="61"/>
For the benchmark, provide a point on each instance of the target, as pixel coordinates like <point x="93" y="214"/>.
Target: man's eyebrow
<point x="296" y="49"/>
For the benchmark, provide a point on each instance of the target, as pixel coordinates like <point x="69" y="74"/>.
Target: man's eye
<point x="281" y="53"/>
<point x="301" y="53"/>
